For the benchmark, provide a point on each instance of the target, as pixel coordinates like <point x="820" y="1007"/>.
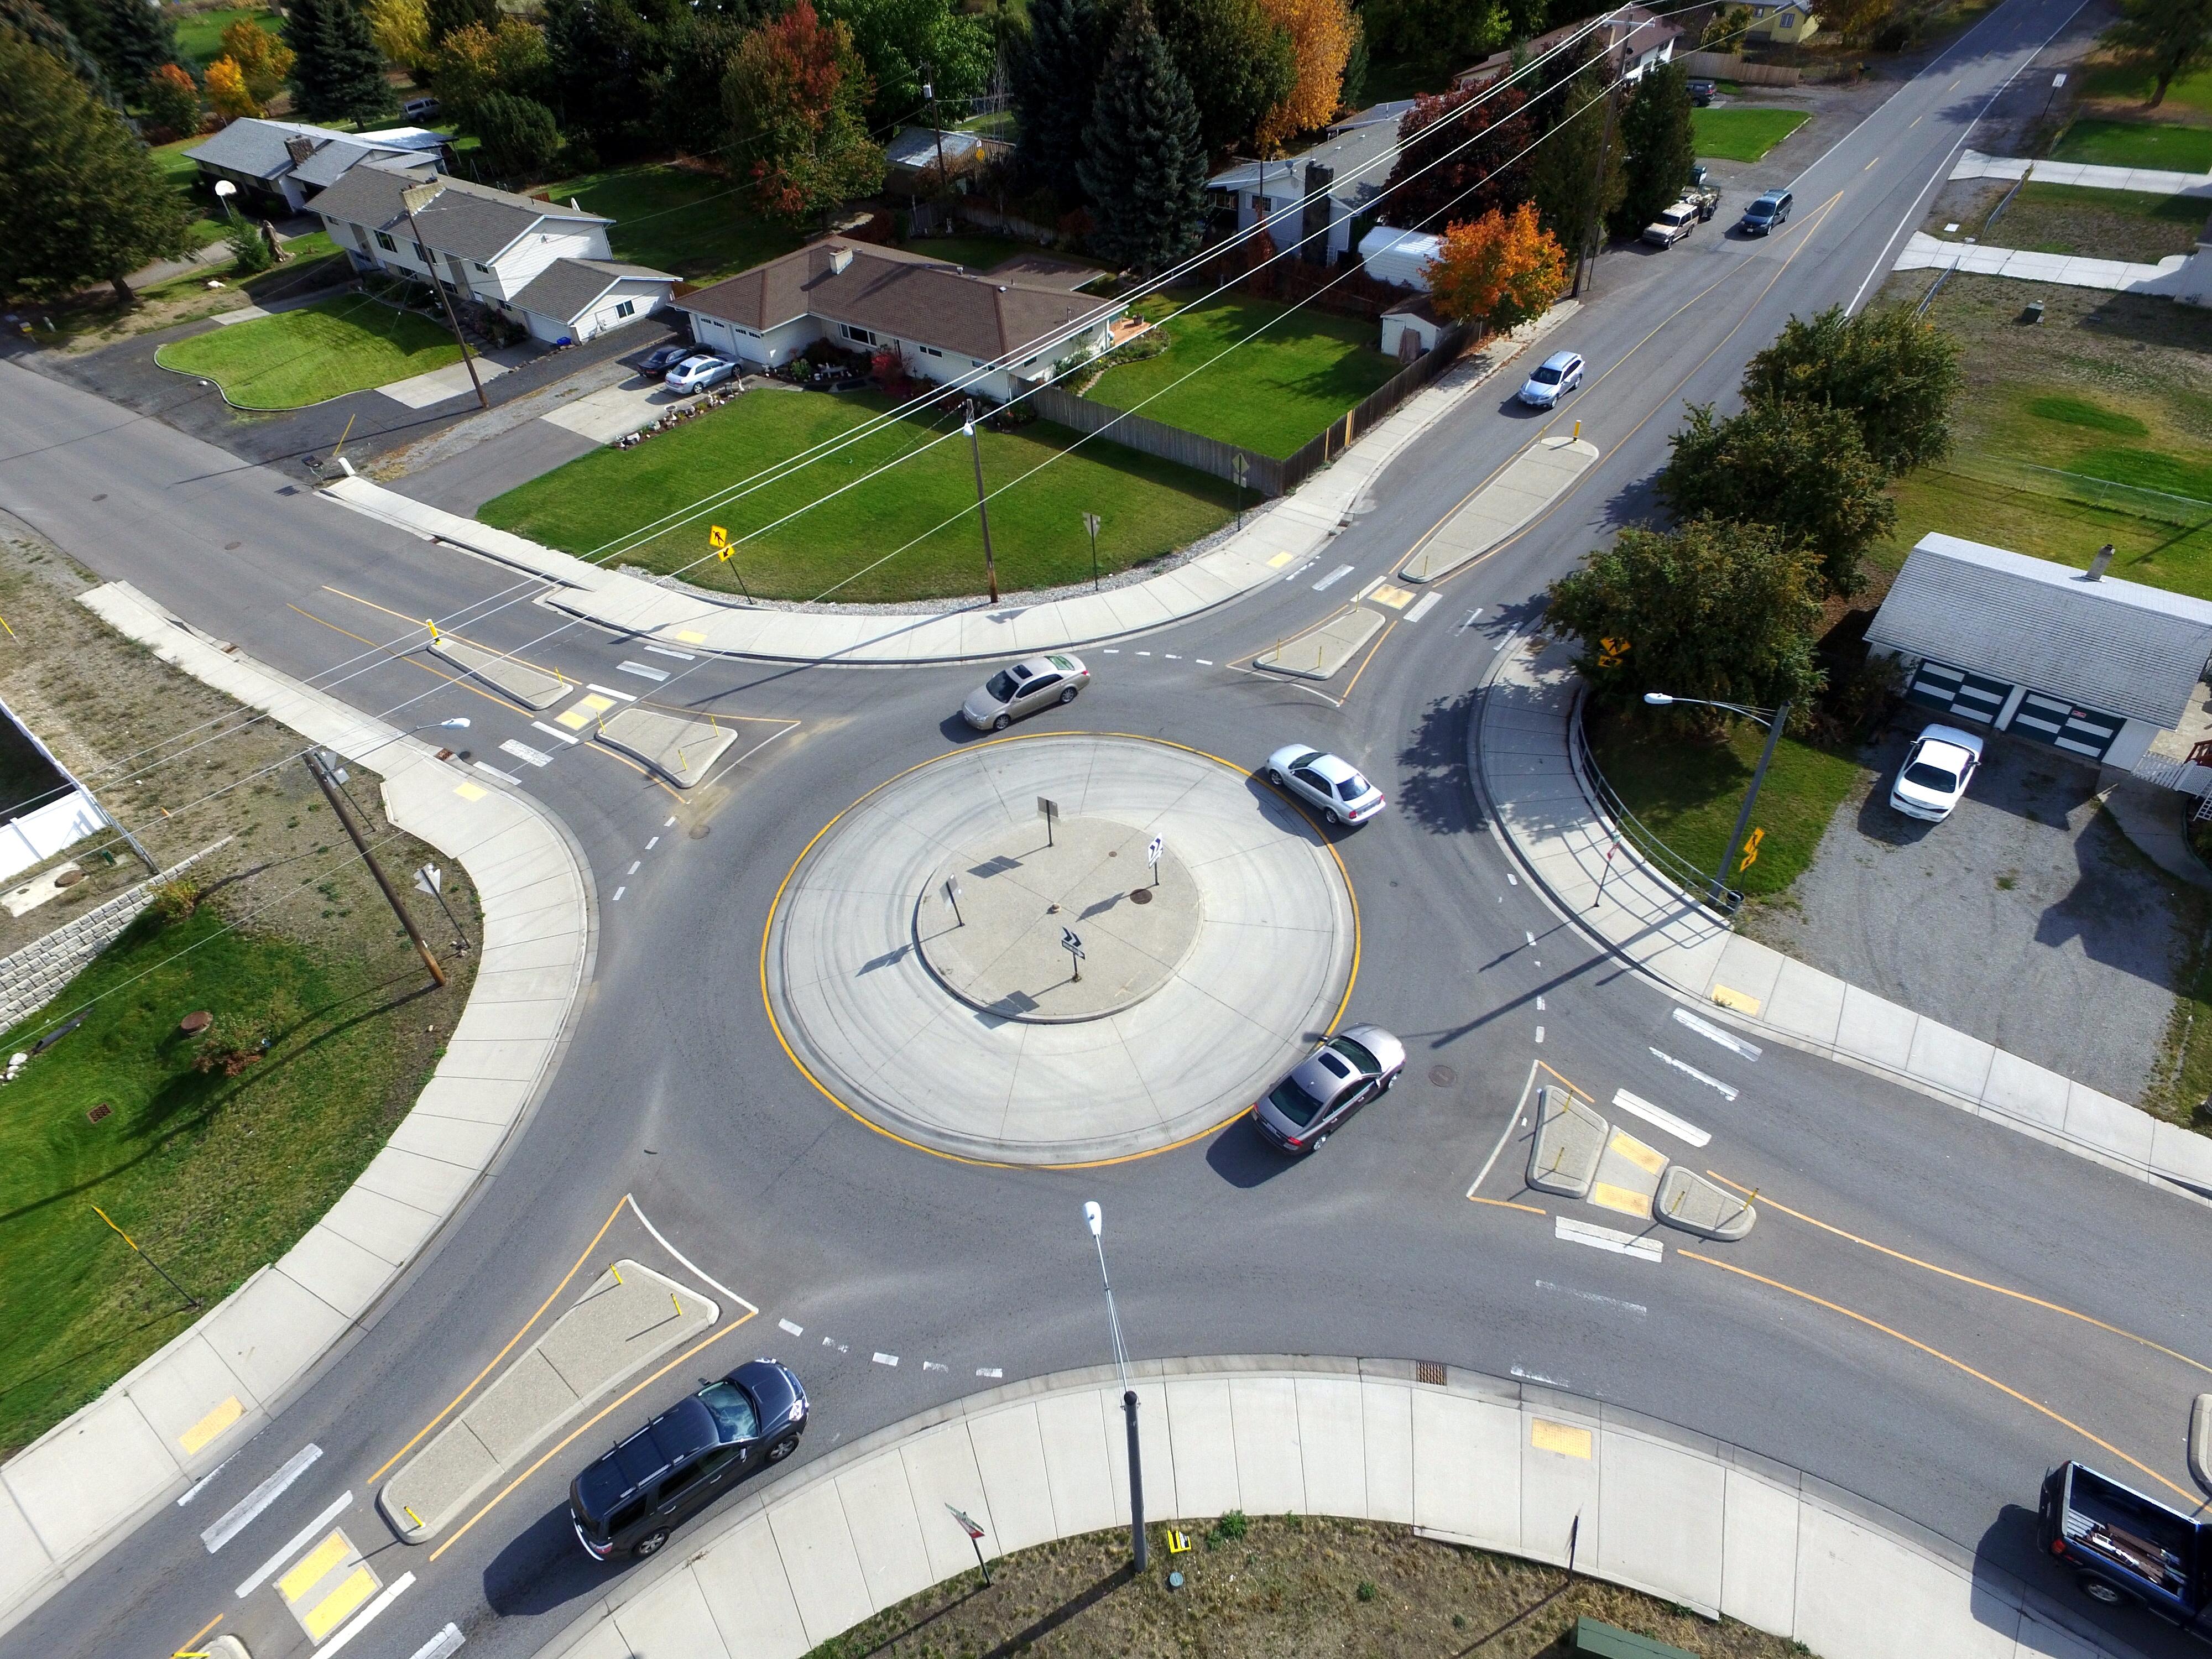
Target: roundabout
<point x="918" y="967"/>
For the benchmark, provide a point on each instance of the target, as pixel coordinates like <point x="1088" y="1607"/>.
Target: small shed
<point x="1410" y="328"/>
<point x="2078" y="660"/>
<point x="1399" y="257"/>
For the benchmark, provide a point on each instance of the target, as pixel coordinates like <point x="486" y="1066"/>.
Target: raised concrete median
<point x="680" y="749"/>
<point x="1531" y="482"/>
<point x="534" y="688"/>
<point x="1471" y="1459"/>
<point x="1322" y="651"/>
<point x="628" y="1317"/>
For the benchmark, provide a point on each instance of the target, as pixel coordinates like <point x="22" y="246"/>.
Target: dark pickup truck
<point x="2126" y="1547"/>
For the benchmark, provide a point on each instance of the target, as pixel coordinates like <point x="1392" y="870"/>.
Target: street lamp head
<point x="225" y="189"/>
<point x="1094" y="1218"/>
<point x="1657" y="699"/>
<point x="458" y="723"/>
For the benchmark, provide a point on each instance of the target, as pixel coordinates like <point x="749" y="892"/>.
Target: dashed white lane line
<point x="654" y="842"/>
<point x="891" y="1359"/>
<point x="525" y="753"/>
<point x="1331" y="578"/>
<point x="1540" y="1005"/>
<point x="360" y="1621"/>
<point x="608" y="690"/>
<point x="1469" y="622"/>
<point x="1171" y="656"/>
<point x="1728" y="1040"/>
<point x="1605" y="1238"/>
<point x="1113" y="650"/>
<point x="643" y="671"/>
<point x="1427" y="605"/>
<point x="634" y="866"/>
<point x="1540" y="1033"/>
<point x="670" y="824"/>
<point x="555" y="731"/>
<point x="1680" y="1128"/>
<point x="203" y="1482"/>
<point x="1636" y="1308"/>
<point x="1530" y="937"/>
<point x="1728" y="1090"/>
<point x="832" y="1342"/>
<point x="242" y="1514"/>
<point x="989" y="1370"/>
<point x="1144" y="654"/>
<point x="787" y="1326"/>
<point x="1511" y="879"/>
<point x="670" y="651"/>
<point x="619" y="891"/>
<point x="1297" y="571"/>
<point x="1203" y="662"/>
<point x="931" y="1366"/>
<point x="298" y="1541"/>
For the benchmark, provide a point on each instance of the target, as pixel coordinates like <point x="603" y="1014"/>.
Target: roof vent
<point x="2101" y="564"/>
<point x="1002" y="287"/>
<point x="839" y="260"/>
<point x="575" y="206"/>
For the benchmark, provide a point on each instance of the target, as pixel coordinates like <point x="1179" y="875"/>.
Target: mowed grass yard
<point x="1742" y="133"/>
<point x="1265" y="377"/>
<point x="2120" y="78"/>
<point x="350" y="343"/>
<point x="2167" y="145"/>
<point x="909" y="533"/>
<point x="199" y="33"/>
<point x="695" y="225"/>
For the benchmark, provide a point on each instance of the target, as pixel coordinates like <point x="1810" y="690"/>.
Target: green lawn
<point x="199" y="33"/>
<point x="2137" y="144"/>
<point x="1742" y="134"/>
<point x="1272" y="393"/>
<point x="185" y="176"/>
<point x="350" y="343"/>
<point x="1688" y="791"/>
<point x="694" y="224"/>
<point x="2132" y="81"/>
<point x="981" y="253"/>
<point x="1149" y="507"/>
<point x="2103" y="224"/>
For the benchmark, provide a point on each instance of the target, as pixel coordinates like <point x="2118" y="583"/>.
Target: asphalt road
<point x="1865" y="1337"/>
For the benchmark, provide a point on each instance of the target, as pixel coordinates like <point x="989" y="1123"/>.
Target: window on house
<point x="861" y="334"/>
<point x="929" y="351"/>
<point x="423" y="254"/>
<point x="625" y="307"/>
<point x="386" y="243"/>
<point x="1788" y="20"/>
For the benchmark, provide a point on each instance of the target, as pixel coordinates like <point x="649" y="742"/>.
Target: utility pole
<point x="982" y="503"/>
<point x="936" y="127"/>
<point x="321" y="775"/>
<point x="421" y="196"/>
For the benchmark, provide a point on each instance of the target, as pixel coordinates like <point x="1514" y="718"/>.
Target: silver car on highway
<point x="1328" y="782"/>
<point x="1356" y="1065"/>
<point x="1023" y="689"/>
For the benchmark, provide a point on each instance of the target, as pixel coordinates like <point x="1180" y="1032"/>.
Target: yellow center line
<point x="451" y="680"/>
<point x="421" y="622"/>
<point x="1869" y="167"/>
<point x="1767" y="1199"/>
<point x="511" y="1341"/>
<point x="1369" y="657"/>
<point x="697" y="1347"/>
<point x="1960" y="1364"/>
<point x="193" y="1640"/>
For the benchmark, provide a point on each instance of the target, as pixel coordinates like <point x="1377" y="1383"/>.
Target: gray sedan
<point x="1356" y="1065"/>
<point x="1023" y="689"/>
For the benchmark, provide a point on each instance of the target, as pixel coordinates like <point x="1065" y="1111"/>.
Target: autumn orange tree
<point x="1321" y="33"/>
<point x="792" y="98"/>
<point x="262" y="58"/>
<point x="227" y="91"/>
<point x="1499" y="270"/>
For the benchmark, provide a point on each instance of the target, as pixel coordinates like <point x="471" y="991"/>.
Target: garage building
<point x="2090" y="665"/>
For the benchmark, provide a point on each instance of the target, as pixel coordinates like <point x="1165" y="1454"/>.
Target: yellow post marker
<point x="411" y="1515"/>
<point x="3" y="624"/>
<point x="679" y="1306"/>
<point x="432" y="625"/>
<point x="1578" y="431"/>
<point x="617" y="1272"/>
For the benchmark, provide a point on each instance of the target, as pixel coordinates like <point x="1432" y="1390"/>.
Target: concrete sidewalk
<point x="2154" y="181"/>
<point x="1463" y="1457"/>
<point x="1530" y="761"/>
<point x="1274" y="537"/>
<point x="80" y="1488"/>
<point x="1926" y="252"/>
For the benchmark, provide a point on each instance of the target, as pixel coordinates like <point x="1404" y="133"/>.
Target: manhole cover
<point x="699" y="831"/>
<point x="194" y="1023"/>
<point x="1141" y="896"/>
<point x="1442" y="1076"/>
<point x="99" y="1112"/>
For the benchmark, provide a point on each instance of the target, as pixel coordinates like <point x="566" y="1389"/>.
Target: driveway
<point x="2026" y="918"/>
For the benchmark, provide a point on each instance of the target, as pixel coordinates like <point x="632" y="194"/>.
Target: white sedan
<point x="697" y="374"/>
<point x="1334" y="786"/>
<point x="1937" y="768"/>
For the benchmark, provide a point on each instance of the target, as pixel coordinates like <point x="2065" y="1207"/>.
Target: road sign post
<point x="432" y="880"/>
<point x="1241" y="468"/>
<point x="1072" y="944"/>
<point x="953" y="897"/>
<point x="975" y="1539"/>
<point x="1048" y="810"/>
<point x="1091" y="524"/>
<point x="1160" y="845"/>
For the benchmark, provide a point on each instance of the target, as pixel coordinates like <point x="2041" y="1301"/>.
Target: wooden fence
<point x="1727" y="66"/>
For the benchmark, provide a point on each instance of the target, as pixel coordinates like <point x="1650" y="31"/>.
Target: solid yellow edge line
<point x="1506" y="1203"/>
<point x="1937" y="1353"/>
<point x="768" y="927"/>
<point x="511" y="1341"/>
<point x="1369" y="657"/>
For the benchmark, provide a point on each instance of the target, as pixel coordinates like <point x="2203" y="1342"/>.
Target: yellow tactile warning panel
<point x="1279" y="562"/>
<point x="1564" y="1438"/>
<point x="471" y="791"/>
<point x="1607" y="1196"/>
<point x="585" y="710"/>
<point x="690" y="638"/>
<point x="1396" y="597"/>
<point x="211" y="1426"/>
<point x="1650" y="1159"/>
<point x="1736" y="1000"/>
<point x="327" y="1584"/>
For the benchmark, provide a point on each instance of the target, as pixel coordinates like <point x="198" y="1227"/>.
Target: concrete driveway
<point x="2026" y="918"/>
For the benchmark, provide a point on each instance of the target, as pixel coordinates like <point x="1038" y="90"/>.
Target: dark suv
<point x="687" y="1457"/>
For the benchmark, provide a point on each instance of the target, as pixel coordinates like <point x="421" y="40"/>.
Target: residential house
<point x="1780" y="24"/>
<point x="279" y="165"/>
<point x="995" y="335"/>
<point x="1310" y="200"/>
<point x="540" y="264"/>
<point x="1641" y="39"/>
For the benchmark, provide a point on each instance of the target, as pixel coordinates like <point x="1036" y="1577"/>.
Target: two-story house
<point x="1782" y="24"/>
<point x="1308" y="201"/>
<point x="994" y="334"/>
<point x="542" y="264"/>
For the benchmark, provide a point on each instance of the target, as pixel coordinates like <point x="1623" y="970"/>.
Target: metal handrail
<point x="1640" y="835"/>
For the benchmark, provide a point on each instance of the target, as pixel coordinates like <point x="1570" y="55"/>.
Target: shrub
<point x="172" y="102"/>
<point x="175" y="901"/>
<point x="520" y="139"/>
<point x="1366" y="1591"/>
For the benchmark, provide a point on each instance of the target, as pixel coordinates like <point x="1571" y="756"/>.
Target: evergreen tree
<point x="519" y="138"/>
<point x="337" y="73"/>
<point x="1144" y="161"/>
<point x="82" y="199"/>
<point x="51" y="33"/>
<point x="443" y="17"/>
<point x="1572" y="197"/>
<point x="1660" y="149"/>
<point x="137" y="39"/>
<point x="1055" y="81"/>
<point x="1239" y="63"/>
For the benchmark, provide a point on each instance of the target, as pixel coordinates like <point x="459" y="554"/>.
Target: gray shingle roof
<point x="470" y="222"/>
<point x="327" y="165"/>
<point x="1360" y="151"/>
<point x="2111" y="645"/>
<point x="567" y="287"/>
<point x="256" y="148"/>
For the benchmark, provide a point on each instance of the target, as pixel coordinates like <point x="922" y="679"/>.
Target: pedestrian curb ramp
<point x="629" y="1317"/>
<point x="1536" y="478"/>
<point x="1575" y="1153"/>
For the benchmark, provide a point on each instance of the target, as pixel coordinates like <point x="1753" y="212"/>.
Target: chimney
<point x="2101" y="564"/>
<point x="299" y="147"/>
<point x="839" y="260"/>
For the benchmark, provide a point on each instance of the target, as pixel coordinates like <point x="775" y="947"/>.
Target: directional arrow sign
<point x="1070" y="943"/>
<point x="429" y="879"/>
<point x="1152" y="852"/>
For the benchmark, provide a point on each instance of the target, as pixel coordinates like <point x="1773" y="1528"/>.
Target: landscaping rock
<point x="1571" y="1138"/>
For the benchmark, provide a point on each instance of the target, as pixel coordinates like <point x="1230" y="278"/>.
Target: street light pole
<point x="1140" y="1554"/>
<point x="421" y="196"/>
<point x="982" y="503"/>
<point x="1775" y="723"/>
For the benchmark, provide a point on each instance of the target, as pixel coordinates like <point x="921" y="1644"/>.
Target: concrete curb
<point x="82" y="1487"/>
<point x="1459" y="1456"/>
<point x="1335" y="641"/>
<point x="1530" y="779"/>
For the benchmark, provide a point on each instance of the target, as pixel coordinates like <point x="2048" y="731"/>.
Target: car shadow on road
<point x="1241" y="1158"/>
<point x="543" y="1569"/>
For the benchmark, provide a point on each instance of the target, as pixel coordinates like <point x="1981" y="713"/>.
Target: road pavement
<point x="1931" y="1311"/>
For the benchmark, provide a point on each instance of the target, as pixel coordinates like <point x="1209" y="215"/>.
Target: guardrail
<point x="1627" y="827"/>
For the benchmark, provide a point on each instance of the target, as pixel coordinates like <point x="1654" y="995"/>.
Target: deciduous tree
<point x="443" y="17"/>
<point x="1713" y="609"/>
<point x="262" y="58"/>
<point x="792" y="98"/>
<point x="82" y="199"/>
<point x="51" y="33"/>
<point x="1441" y="36"/>
<point x="1801" y="469"/>
<point x="897" y="38"/>
<point x="1055" y="81"/>
<point x="172" y="102"/>
<point x="1238" y="60"/>
<point x="2171" y="37"/>
<point x="1321" y="41"/>
<point x="1458" y="159"/>
<point x="1500" y="270"/>
<point x="1660" y="147"/>
<point x="337" y="73"/>
<point x="227" y="92"/>
<point x="1724" y="30"/>
<point x="473" y="62"/>
<point x="1895" y="375"/>
<point x="1144" y="159"/>
<point x="401" y="29"/>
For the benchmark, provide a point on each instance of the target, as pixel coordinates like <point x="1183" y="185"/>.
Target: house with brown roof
<point x="996" y="334"/>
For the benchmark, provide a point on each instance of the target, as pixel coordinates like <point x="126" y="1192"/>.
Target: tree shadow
<point x="1432" y="782"/>
<point x="1023" y="1640"/>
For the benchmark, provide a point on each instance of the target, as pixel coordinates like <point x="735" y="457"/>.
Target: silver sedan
<point x="1333" y="786"/>
<point x="1356" y="1065"/>
<point x="1023" y="689"/>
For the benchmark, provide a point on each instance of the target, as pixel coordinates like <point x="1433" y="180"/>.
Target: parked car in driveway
<point x="1701" y="93"/>
<point x="696" y="374"/>
<point x="694" y="1452"/>
<point x="1356" y="1065"/>
<point x="1937" y="769"/>
<point x="663" y="358"/>
<point x="1556" y="376"/>
<point x="1023" y="689"/>
<point x="1671" y="226"/>
<point x="1333" y="786"/>
<point x="1766" y="212"/>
